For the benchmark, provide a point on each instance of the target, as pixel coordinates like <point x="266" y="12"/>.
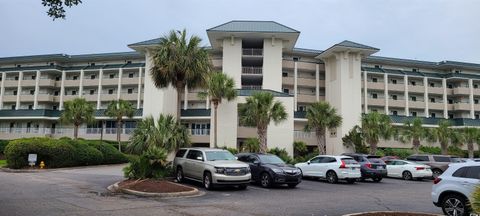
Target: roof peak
<point x="253" y="26"/>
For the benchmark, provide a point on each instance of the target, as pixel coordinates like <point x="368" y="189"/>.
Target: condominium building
<point x="260" y="56"/>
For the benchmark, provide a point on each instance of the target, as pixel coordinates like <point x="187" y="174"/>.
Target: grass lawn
<point x="3" y="163"/>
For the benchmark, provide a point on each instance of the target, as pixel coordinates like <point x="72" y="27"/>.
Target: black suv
<point x="268" y="170"/>
<point x="370" y="166"/>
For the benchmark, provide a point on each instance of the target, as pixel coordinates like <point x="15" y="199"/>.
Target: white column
<point x="365" y="94"/>
<point x="62" y="90"/>
<point x="2" y="89"/>
<point x="99" y="90"/>
<point x="407" y="110"/>
<point x="185" y="98"/>
<point x="139" y="93"/>
<point x="19" y="90"/>
<point x="119" y="87"/>
<point x="80" y="88"/>
<point x="317" y="81"/>
<point x="385" y="80"/>
<point x="208" y="102"/>
<point x="425" y="96"/>
<point x="295" y="92"/>
<point x="445" y="101"/>
<point x="472" y="105"/>
<point x="37" y="89"/>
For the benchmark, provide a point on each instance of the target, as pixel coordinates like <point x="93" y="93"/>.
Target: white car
<point x="331" y="168"/>
<point x="408" y="170"/>
<point x="451" y="190"/>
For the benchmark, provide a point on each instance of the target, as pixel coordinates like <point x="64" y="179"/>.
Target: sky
<point x="431" y="30"/>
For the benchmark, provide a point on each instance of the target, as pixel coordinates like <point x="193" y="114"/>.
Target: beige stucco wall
<point x="272" y="64"/>
<point x="281" y="135"/>
<point x="232" y="59"/>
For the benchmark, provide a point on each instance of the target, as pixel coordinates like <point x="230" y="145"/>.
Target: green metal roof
<point x="249" y="92"/>
<point x="347" y="43"/>
<point x="65" y="58"/>
<point x="422" y="74"/>
<point x="253" y="26"/>
<point x="73" y="68"/>
<point x="307" y="51"/>
<point x="435" y="121"/>
<point x="50" y="113"/>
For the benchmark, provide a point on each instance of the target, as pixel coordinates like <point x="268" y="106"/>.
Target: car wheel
<point x="292" y="185"/>
<point x="242" y="187"/>
<point x="207" y="181"/>
<point x="351" y="181"/>
<point x="332" y="177"/>
<point x="265" y="180"/>
<point x="179" y="175"/>
<point x="436" y="173"/>
<point x="455" y="205"/>
<point x="377" y="179"/>
<point x="407" y="175"/>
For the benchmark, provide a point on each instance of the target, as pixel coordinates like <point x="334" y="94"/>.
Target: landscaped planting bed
<point x="392" y="214"/>
<point x="153" y="186"/>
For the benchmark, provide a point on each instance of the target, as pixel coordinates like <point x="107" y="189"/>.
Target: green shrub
<point x="430" y="150"/>
<point x="282" y="153"/>
<point x="299" y="149"/>
<point x="151" y="164"/>
<point x="453" y="150"/>
<point x="399" y="152"/>
<point x="110" y="154"/>
<point x="252" y="145"/>
<point x="476" y="200"/>
<point x="306" y="157"/>
<point x="3" y="144"/>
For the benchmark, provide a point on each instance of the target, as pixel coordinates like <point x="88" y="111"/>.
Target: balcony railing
<point x="252" y="87"/>
<point x="303" y="134"/>
<point x="60" y="131"/>
<point x="200" y="132"/>
<point x="252" y="52"/>
<point x="251" y="70"/>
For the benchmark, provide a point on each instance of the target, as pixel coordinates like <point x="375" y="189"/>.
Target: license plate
<point x="380" y="167"/>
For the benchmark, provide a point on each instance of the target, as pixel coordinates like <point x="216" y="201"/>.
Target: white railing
<point x="252" y="52"/>
<point x="303" y="134"/>
<point x="252" y="87"/>
<point x="252" y="70"/>
<point x="200" y="132"/>
<point x="65" y="131"/>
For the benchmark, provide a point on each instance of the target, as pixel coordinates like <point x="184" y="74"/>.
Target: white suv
<point x="211" y="166"/>
<point x="451" y="191"/>
<point x="331" y="168"/>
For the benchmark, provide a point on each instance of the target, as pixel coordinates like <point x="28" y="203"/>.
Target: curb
<point x="115" y="188"/>
<point x="8" y="170"/>
<point x="409" y="213"/>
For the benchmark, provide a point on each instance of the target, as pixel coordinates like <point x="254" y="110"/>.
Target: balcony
<point x="45" y="98"/>
<point x="10" y="98"/>
<point x="129" y="97"/>
<point x="376" y="85"/>
<point x="90" y="97"/>
<point x="252" y="87"/>
<point x="376" y="101"/>
<point x="416" y="104"/>
<point x="306" y="66"/>
<point x="110" y="82"/>
<point x="217" y="63"/>
<point x="26" y="97"/>
<point x="436" y="106"/>
<point x="90" y="82"/>
<point x="252" y="52"/>
<point x="195" y="112"/>
<point x="396" y="103"/>
<point x="306" y="98"/>
<point x="309" y="138"/>
<point x="130" y="81"/>
<point x="435" y="90"/>
<point x="46" y="82"/>
<point x="462" y="106"/>
<point x="194" y="97"/>
<point x="396" y="87"/>
<point x="416" y="88"/>
<point x="252" y="70"/>
<point x="461" y="91"/>
<point x="108" y="97"/>
<point x="72" y="83"/>
<point x="28" y="83"/>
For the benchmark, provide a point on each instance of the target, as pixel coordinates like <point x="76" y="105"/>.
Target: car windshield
<point x="219" y="155"/>
<point x="270" y="159"/>
<point x="456" y="160"/>
<point x="376" y="160"/>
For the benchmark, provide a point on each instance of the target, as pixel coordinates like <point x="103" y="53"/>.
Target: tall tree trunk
<point x="75" y="131"/>
<point x="262" y="136"/>
<point x="101" y="132"/>
<point x="415" y="145"/>
<point x="373" y="148"/>
<point x="320" y="134"/>
<point x="119" y="130"/>
<point x="215" y="107"/>
<point x="470" y="150"/>
<point x="444" y="147"/>
<point x="180" y="89"/>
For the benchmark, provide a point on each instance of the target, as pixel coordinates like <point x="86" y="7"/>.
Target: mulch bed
<point x="153" y="186"/>
<point x="394" y="214"/>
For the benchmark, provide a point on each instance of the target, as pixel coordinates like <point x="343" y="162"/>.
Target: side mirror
<point x="200" y="158"/>
<point x="256" y="163"/>
<point x="308" y="162"/>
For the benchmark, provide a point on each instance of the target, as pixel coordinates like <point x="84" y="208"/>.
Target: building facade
<point x="260" y="56"/>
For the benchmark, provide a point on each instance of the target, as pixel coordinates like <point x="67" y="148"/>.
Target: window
<point x="475" y="101"/>
<point x="473" y="172"/>
<point x="92" y="91"/>
<point x="450" y="86"/>
<point x="181" y="153"/>
<point x="432" y="100"/>
<point x="394" y="97"/>
<point x="475" y="85"/>
<point x="286" y="91"/>
<point x="129" y="62"/>
<point x="130" y="91"/>
<point x="432" y="84"/>
<point x="130" y="75"/>
<point x="74" y="92"/>
<point x="329" y="160"/>
<point x="55" y="93"/>
<point x="374" y="79"/>
<point x="32" y="92"/>
<point x="441" y="159"/>
<point x="110" y="91"/>
<point x="93" y="76"/>
<point x="374" y="110"/>
<point x="54" y="107"/>
<point x="34" y="77"/>
<point x="378" y="66"/>
<point x="316" y="160"/>
<point x="460" y="173"/>
<point x="57" y="78"/>
<point x="112" y="76"/>
<point x="432" y="115"/>
<point x="374" y="95"/>
<point x="13" y="107"/>
<point x="450" y="116"/>
<point x="477" y="116"/>
<point x="413" y="83"/>
<point x="16" y="78"/>
<point x="284" y="74"/>
<point x="92" y="64"/>
<point x="414" y="70"/>
<point x="394" y="81"/>
<point x="394" y="112"/>
<point x="422" y="158"/>
<point x="450" y="101"/>
<point x="195" y="155"/>
<point x="74" y="77"/>
<point x="15" y="92"/>
<point x="302" y="108"/>
<point x="30" y="107"/>
<point x="413" y="98"/>
<point x="414" y="113"/>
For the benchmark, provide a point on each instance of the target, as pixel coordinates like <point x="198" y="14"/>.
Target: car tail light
<point x="436" y="180"/>
<point x="420" y="168"/>
<point x="343" y="166"/>
<point x="369" y="165"/>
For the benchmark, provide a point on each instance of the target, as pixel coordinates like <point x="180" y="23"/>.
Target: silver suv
<point x="212" y="167"/>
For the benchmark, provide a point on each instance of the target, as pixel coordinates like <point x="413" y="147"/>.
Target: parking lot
<point x="82" y="192"/>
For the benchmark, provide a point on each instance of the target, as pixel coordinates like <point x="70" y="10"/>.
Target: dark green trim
<point x="51" y="113"/>
<point x="73" y="68"/>
<point x="435" y="121"/>
<point x="299" y="114"/>
<point x="249" y="92"/>
<point x="195" y="112"/>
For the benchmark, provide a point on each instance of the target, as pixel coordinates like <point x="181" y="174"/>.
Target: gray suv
<point x="438" y="163"/>
<point x="211" y="167"/>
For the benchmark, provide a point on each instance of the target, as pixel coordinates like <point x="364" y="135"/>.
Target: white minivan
<point x="331" y="168"/>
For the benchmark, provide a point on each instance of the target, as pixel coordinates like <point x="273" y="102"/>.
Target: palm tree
<point x="252" y="145"/>
<point x="354" y="139"/>
<point x="167" y="133"/>
<point x="376" y="126"/>
<point x="320" y="117"/>
<point x="179" y="62"/>
<point x="414" y="132"/>
<point x="218" y="86"/>
<point x="259" y="110"/>
<point x="77" y="112"/>
<point x="470" y="137"/>
<point x="117" y="110"/>
<point x="441" y="134"/>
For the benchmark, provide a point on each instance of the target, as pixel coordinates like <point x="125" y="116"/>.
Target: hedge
<point x="62" y="152"/>
<point x="3" y="144"/>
